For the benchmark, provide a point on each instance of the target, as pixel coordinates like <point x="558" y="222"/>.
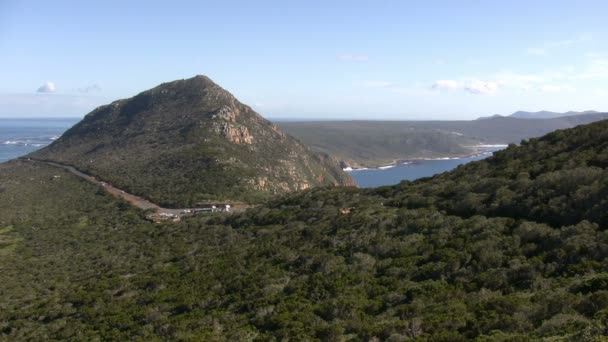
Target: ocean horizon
<point x="20" y="136"/>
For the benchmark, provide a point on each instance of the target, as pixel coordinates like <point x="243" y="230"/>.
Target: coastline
<point x="396" y="163"/>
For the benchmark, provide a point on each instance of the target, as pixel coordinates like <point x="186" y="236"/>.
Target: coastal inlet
<point x="416" y="168"/>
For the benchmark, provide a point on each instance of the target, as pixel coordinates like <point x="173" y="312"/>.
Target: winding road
<point x="134" y="200"/>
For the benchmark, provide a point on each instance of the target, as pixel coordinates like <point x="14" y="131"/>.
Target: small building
<point x="224" y="208"/>
<point x="212" y="207"/>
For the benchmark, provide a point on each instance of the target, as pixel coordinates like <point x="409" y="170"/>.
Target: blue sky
<point x="310" y="59"/>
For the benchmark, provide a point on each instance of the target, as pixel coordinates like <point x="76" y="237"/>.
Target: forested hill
<point x="191" y="141"/>
<point x="559" y="179"/>
<point x="513" y="248"/>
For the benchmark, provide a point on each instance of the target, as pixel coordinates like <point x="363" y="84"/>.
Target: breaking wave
<point x="30" y="141"/>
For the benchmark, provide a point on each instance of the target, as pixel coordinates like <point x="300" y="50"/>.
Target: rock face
<point x="189" y="141"/>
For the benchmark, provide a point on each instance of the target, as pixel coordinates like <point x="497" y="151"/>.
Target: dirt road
<point x="137" y="201"/>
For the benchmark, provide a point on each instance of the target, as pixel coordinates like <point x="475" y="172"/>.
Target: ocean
<point x="19" y="137"/>
<point x="414" y="169"/>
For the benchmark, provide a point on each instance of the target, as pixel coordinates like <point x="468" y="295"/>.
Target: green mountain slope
<point x="190" y="141"/>
<point x="559" y="179"/>
<point x="372" y="144"/>
<point x="375" y="143"/>
<point x="326" y="264"/>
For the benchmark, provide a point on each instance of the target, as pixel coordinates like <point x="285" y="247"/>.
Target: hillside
<point x="376" y="143"/>
<point x="190" y="141"/>
<point x="512" y="248"/>
<point x="547" y="115"/>
<point x="558" y="179"/>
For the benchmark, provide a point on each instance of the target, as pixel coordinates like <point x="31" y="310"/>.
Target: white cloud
<point x="482" y="87"/>
<point x="47" y="87"/>
<point x="552" y="81"/>
<point x="547" y="81"/>
<point x="353" y="58"/>
<point x="477" y="87"/>
<point x="517" y="81"/>
<point x="447" y="85"/>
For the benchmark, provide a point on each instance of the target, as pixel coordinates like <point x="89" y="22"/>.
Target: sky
<point x="399" y="60"/>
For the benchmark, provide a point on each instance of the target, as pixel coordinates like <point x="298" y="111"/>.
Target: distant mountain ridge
<point x="376" y="143"/>
<point x="191" y="141"/>
<point x="543" y="114"/>
<point x="548" y="115"/>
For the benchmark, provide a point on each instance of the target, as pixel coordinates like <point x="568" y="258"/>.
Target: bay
<point x="415" y="169"/>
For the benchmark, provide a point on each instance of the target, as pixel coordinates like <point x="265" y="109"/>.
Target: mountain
<point x="376" y="143"/>
<point x="490" y="117"/>
<point x="190" y="141"/>
<point x="547" y="115"/>
<point x="511" y="248"/>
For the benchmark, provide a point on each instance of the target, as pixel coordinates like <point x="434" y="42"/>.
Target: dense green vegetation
<point x="559" y="179"/>
<point x="332" y="264"/>
<point x="190" y="141"/>
<point x="377" y="143"/>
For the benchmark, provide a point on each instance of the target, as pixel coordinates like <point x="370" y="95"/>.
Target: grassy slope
<point x="84" y="266"/>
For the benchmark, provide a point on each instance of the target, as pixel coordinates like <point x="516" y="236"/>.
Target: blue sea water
<point x="19" y="137"/>
<point x="412" y="170"/>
